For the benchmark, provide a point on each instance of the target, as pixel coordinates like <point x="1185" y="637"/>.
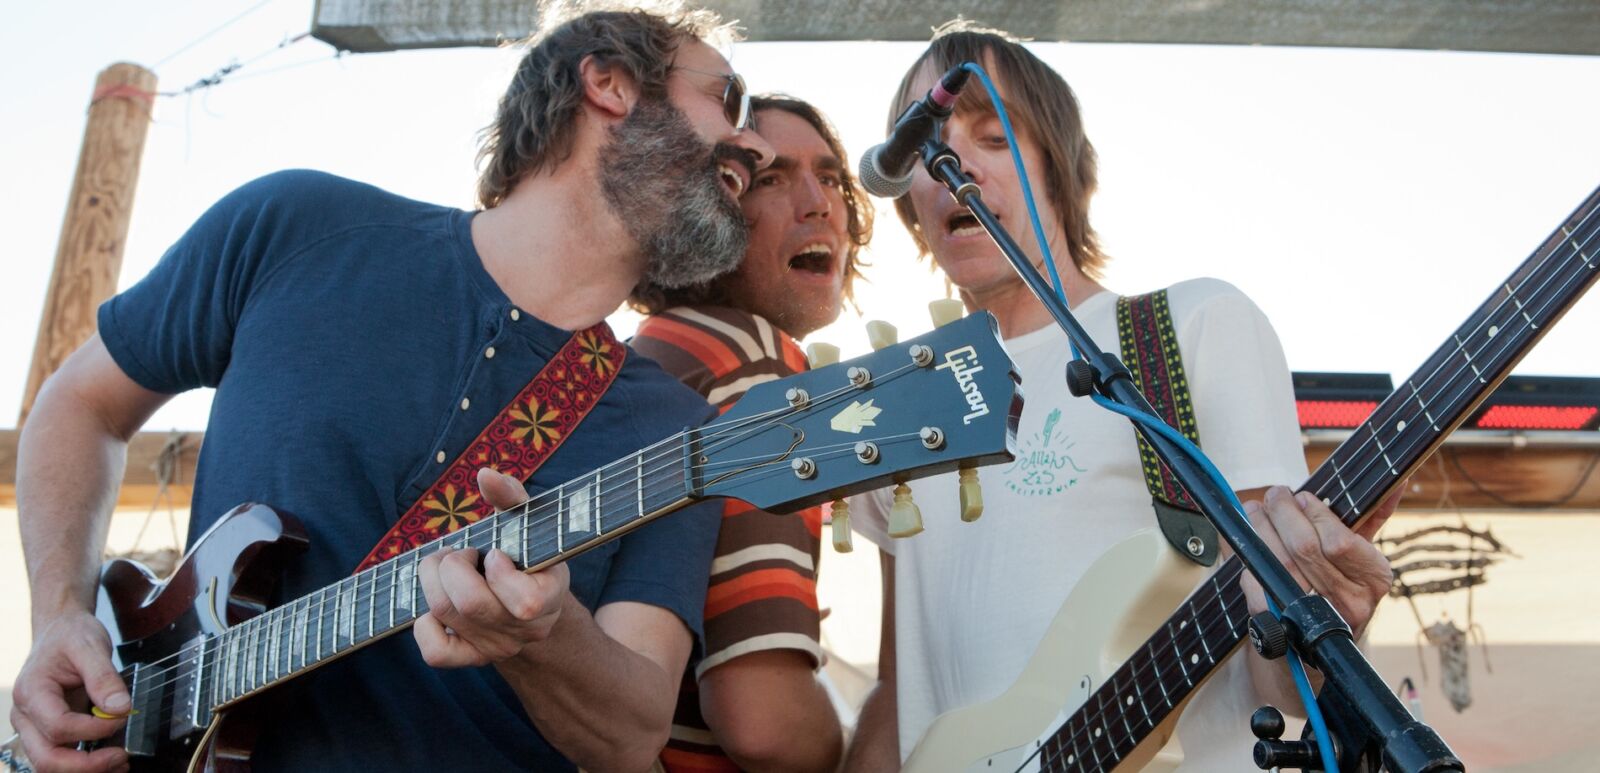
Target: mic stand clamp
<point x="1366" y="714"/>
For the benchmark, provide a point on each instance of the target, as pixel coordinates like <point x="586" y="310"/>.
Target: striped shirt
<point x="763" y="591"/>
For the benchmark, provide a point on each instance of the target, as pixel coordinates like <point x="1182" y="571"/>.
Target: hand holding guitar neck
<point x="477" y="617"/>
<point x="1324" y="556"/>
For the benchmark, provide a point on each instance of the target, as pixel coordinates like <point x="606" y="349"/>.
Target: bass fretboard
<point x="1399" y="435"/>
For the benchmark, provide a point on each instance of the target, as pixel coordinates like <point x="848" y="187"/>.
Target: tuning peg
<point x="971" y="494"/>
<point x="841" y="526"/>
<point x="946" y="310"/>
<point x="905" y="519"/>
<point x="881" y="334"/>
<point x="821" y="355"/>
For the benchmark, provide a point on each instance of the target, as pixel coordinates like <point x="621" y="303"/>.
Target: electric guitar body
<point x="1121" y="599"/>
<point x="224" y="579"/>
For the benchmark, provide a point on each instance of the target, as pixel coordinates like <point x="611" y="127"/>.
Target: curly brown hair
<point x="1043" y="107"/>
<point x="534" y="124"/>
<point x="649" y="298"/>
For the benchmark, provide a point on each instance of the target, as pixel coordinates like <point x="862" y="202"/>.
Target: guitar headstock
<point x="946" y="399"/>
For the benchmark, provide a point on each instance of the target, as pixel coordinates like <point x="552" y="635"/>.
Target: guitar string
<point x="250" y="642"/>
<point x="467" y="536"/>
<point x="633" y="464"/>
<point x="1536" y="266"/>
<point x="253" y="638"/>
<point x="357" y="609"/>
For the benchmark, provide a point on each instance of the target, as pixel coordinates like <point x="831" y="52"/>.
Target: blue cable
<point x="1301" y="682"/>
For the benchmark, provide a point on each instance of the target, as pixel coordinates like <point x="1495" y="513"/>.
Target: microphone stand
<point x="1363" y="716"/>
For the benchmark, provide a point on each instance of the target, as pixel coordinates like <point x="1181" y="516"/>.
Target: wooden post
<point x="89" y="255"/>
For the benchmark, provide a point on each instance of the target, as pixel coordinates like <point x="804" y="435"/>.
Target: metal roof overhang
<point x="1522" y="26"/>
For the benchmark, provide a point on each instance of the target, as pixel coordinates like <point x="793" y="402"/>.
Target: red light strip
<point x="1333" y="414"/>
<point x="1537" y="417"/>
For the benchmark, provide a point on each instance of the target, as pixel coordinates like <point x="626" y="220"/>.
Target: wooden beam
<point x="89" y="255"/>
<point x="140" y="483"/>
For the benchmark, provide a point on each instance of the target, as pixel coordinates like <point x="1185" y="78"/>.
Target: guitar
<point x="1074" y="709"/>
<point x="197" y="646"/>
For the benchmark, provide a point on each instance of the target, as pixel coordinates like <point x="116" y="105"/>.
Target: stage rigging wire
<point x="206" y="36"/>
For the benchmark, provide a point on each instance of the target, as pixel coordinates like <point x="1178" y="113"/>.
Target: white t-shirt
<point x="972" y="600"/>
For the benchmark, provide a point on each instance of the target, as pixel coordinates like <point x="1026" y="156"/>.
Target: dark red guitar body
<point x="225" y="578"/>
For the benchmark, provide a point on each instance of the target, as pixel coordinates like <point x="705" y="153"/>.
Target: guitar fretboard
<point x="1399" y="435"/>
<point x="555" y="525"/>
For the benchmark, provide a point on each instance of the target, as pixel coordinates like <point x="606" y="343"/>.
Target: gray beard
<point x="661" y="181"/>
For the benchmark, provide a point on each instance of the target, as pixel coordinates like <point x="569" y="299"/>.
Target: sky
<point x="1367" y="200"/>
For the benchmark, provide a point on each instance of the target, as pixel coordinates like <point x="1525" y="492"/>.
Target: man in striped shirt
<point x="753" y="701"/>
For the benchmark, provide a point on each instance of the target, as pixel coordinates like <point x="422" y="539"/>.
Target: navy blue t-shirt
<point x="352" y="335"/>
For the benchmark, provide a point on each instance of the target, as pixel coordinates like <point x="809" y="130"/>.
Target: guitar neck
<point x="1399" y="435"/>
<point x="556" y="525"/>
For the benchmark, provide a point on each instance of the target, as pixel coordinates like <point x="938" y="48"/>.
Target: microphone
<point x="885" y="170"/>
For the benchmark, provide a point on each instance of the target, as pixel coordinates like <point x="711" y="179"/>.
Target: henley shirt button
<point x="488" y="353"/>
<point x="515" y="315"/>
<point x="465" y="403"/>
<point x="439" y="457"/>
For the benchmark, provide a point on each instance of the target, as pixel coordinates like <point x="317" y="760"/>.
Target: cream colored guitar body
<point x="1123" y="597"/>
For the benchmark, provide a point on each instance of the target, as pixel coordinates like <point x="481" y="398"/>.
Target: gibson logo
<point x="963" y="364"/>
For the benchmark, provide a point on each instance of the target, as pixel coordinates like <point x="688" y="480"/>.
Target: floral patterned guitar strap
<point x="525" y="433"/>
<point x="1150" y="350"/>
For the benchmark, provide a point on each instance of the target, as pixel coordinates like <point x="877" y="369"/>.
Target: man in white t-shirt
<point x="966" y="604"/>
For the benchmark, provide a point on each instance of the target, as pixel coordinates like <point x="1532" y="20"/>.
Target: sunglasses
<point x="735" y="98"/>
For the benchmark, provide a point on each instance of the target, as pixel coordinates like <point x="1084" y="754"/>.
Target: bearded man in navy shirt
<point x="358" y="343"/>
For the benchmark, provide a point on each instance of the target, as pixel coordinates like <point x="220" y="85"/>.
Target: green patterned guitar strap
<point x="1150" y="350"/>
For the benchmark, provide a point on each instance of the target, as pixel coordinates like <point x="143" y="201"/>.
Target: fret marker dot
<point x="1493" y="329"/>
<point x="1183" y="624"/>
<point x="1130" y="700"/>
<point x="1097" y="732"/>
<point x="1071" y="758"/>
<point x="1194" y="659"/>
<point x="1400" y="425"/>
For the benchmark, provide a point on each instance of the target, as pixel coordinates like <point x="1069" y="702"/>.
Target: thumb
<point x="106" y="689"/>
<point x="500" y="490"/>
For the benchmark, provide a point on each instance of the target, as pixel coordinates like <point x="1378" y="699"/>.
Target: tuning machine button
<point x="867" y="452"/>
<point x="946" y="310"/>
<point x="841" y="525"/>
<point x="905" y="518"/>
<point x="971" y="494"/>
<point x="821" y="355"/>
<point x="797" y="397"/>
<point x="882" y="334"/>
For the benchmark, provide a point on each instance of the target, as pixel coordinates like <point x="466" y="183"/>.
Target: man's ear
<point x="606" y="87"/>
